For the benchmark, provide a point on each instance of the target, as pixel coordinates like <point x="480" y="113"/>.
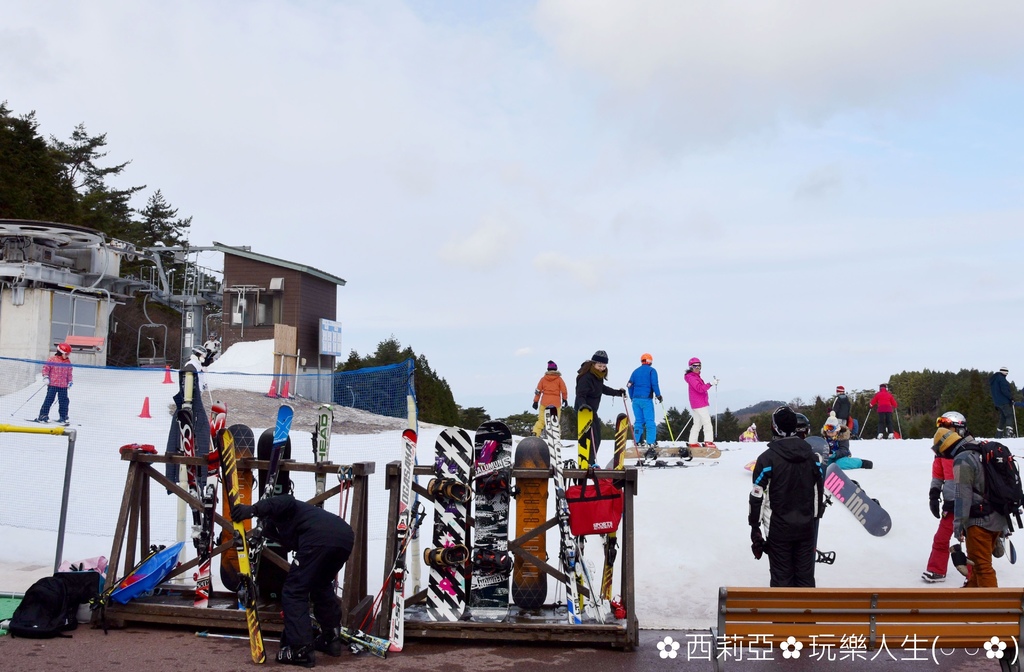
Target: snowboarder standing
<point x="886" y="405"/>
<point x="699" y="405"/>
<point x="550" y="391"/>
<point x="951" y="428"/>
<point x="58" y="375"/>
<point x="1002" y="397"/>
<point x="643" y="390"/>
<point x="590" y="385"/>
<point x="842" y="407"/>
<point x="322" y="543"/>
<point x="787" y="499"/>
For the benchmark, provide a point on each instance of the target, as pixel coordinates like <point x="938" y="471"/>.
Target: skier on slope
<point x="322" y="543"/>
<point x="551" y="391"/>
<point x="590" y="386"/>
<point x="699" y="405"/>
<point x="1002" y="397"/>
<point x="58" y="376"/>
<point x="886" y="406"/>
<point x="643" y="390"/>
<point x="787" y="499"/>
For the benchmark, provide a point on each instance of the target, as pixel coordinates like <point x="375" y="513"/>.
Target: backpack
<point x="50" y="605"/>
<point x="1003" y="492"/>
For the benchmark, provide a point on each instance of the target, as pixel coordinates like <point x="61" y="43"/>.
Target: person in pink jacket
<point x="886" y="404"/>
<point x="58" y="376"/>
<point x="699" y="404"/>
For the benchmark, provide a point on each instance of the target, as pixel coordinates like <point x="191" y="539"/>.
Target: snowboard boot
<point x="491" y="562"/>
<point x="693" y="445"/>
<point x="710" y="444"/>
<point x="448" y="556"/>
<point x="867" y="464"/>
<point x="301" y="655"/>
<point x="651" y="453"/>
<point x="684" y="453"/>
<point x="450" y="488"/>
<point x="492" y="484"/>
<point x="329" y="643"/>
<point x="932" y="577"/>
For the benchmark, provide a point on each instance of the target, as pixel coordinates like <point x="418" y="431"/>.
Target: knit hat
<point x="883" y="386"/>
<point x="840" y="389"/>
<point x="945" y="439"/>
<point x="1004" y="370"/>
<point x="552" y="366"/>
<point x="600" y="356"/>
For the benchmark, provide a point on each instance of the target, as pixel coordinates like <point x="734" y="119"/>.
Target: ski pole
<point x="29" y="399"/>
<point x="683" y="430"/>
<point x="865" y="423"/>
<point x="899" y="429"/>
<point x="716" y="410"/>
<point x="665" y="413"/>
<point x="1016" y="432"/>
<point x="628" y="419"/>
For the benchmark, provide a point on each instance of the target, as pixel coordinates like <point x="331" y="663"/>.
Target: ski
<point x="322" y="444"/>
<point x="446" y="584"/>
<point x="397" y="630"/>
<point x="492" y="566"/>
<point x="187" y="444"/>
<point x="567" y="547"/>
<point x="207" y="531"/>
<point x="246" y="583"/>
<point x="360" y="641"/>
<point x="611" y="542"/>
<point x="282" y="427"/>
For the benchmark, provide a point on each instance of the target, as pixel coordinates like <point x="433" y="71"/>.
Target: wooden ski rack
<point x="544" y="625"/>
<point x="172" y="604"/>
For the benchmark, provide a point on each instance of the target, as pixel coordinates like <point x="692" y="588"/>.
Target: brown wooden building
<point x="261" y="291"/>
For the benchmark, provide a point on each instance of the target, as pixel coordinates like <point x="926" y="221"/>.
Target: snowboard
<point x="322" y="444"/>
<point x="848" y="492"/>
<point x="492" y="492"/>
<point x="453" y="464"/>
<point x="712" y="452"/>
<point x="246" y="590"/>
<point x="529" y="583"/>
<point x="611" y="541"/>
<point x="245" y="446"/>
<point x="274" y="446"/>
<point x="585" y="456"/>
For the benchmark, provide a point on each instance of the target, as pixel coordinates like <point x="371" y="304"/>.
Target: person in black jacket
<point x="322" y="543"/>
<point x="590" y="386"/>
<point x="786" y="499"/>
<point x="1002" y="397"/>
<point x="842" y="407"/>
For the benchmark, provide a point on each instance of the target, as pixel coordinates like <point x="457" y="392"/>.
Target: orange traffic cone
<point x="284" y="391"/>
<point x="145" y="409"/>
<point x="167" y="375"/>
<point x="273" y="388"/>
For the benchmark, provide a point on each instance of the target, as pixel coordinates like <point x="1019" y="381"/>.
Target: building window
<point x="72" y="316"/>
<point x="256" y="309"/>
<point x="269" y="312"/>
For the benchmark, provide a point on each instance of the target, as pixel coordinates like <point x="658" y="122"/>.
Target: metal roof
<point x="273" y="261"/>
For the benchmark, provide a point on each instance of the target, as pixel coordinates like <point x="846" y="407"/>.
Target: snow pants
<point x="538" y="427"/>
<point x="980" y="543"/>
<point x="701" y="420"/>
<point x="311" y="579"/>
<point x="938" y="561"/>
<point x="61" y="394"/>
<point x="643" y="419"/>
<point x="1006" y="421"/>
<point x="791" y="563"/>
<point x="885" y="426"/>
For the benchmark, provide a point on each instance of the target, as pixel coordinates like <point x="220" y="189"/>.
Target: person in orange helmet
<point x="643" y="390"/>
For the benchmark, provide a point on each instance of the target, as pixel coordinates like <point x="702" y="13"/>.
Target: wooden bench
<point x="94" y="343"/>
<point x="865" y="619"/>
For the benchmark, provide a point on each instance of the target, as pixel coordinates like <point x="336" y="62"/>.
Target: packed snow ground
<point x="690" y="528"/>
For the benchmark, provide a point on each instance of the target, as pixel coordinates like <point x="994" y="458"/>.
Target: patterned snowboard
<point x="245" y="445"/>
<point x="848" y="492"/>
<point x="446" y="586"/>
<point x="529" y="584"/>
<point x="489" y="597"/>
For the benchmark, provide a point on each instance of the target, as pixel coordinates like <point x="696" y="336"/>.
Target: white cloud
<point x="587" y="271"/>
<point x="481" y="249"/>
<point x="523" y="352"/>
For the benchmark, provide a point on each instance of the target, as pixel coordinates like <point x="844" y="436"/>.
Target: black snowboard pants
<point x="791" y="563"/>
<point x="1006" y="420"/>
<point x="885" y="426"/>
<point x="311" y="579"/>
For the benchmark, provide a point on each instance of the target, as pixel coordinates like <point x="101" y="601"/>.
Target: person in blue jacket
<point x="1002" y="397"/>
<point x="643" y="390"/>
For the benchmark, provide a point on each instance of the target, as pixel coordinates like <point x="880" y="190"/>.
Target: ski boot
<point x="684" y="453"/>
<point x="709" y="444"/>
<point x="448" y="556"/>
<point x="450" y="488"/>
<point x="491" y="484"/>
<point x="651" y="454"/>
<point x="826" y="557"/>
<point x="301" y="655"/>
<point x="329" y="642"/>
<point x="491" y="562"/>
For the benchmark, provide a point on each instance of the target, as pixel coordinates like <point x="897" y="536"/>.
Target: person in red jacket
<point x="950" y="430"/>
<point x="58" y="376"/>
<point x="886" y="404"/>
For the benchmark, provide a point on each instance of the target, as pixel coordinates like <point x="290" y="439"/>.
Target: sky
<point x="501" y="184"/>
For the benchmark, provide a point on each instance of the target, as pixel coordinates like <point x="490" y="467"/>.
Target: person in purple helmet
<point x="699" y="405"/>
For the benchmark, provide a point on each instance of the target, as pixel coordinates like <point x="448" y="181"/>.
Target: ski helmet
<point x="953" y="420"/>
<point x="646" y="358"/>
<point x="64" y="349"/>
<point x="946" y="438"/>
<point x="200" y="352"/>
<point x="694" y="362"/>
<point x="803" y="426"/>
<point x="784" y="422"/>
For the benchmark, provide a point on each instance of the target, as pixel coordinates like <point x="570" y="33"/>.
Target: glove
<point x="959" y="559"/>
<point x="240" y="512"/>
<point x="622" y="391"/>
<point x="535" y="405"/>
<point x="714" y="380"/>
<point x="756" y="543"/>
<point x="565" y="403"/>
<point x="933" y="502"/>
<point x="658" y="398"/>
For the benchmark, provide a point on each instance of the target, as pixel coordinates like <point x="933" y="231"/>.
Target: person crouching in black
<point x="787" y="498"/>
<point x="322" y="543"/>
